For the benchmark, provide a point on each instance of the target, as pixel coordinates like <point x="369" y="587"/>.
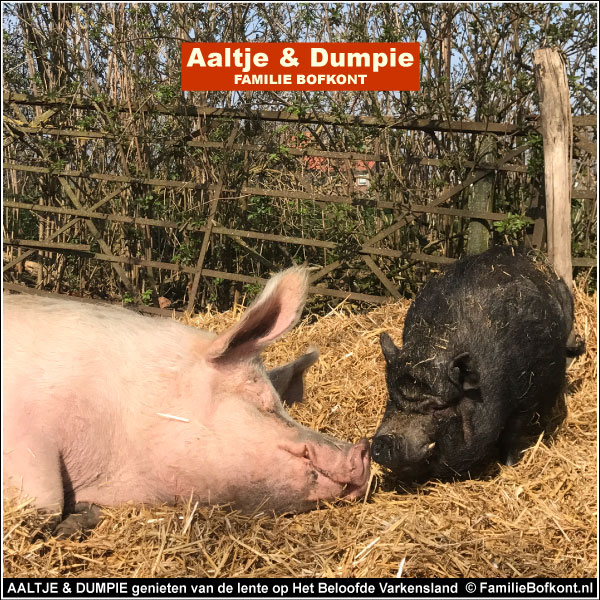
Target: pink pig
<point x="102" y="405"/>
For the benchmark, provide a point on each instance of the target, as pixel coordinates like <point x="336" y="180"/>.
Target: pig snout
<point x="334" y="469"/>
<point x="358" y="469"/>
<point x="348" y="469"/>
<point x="399" y="451"/>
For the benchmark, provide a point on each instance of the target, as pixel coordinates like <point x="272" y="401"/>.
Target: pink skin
<point x="105" y="406"/>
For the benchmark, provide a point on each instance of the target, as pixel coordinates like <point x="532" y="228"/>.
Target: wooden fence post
<point x="557" y="131"/>
<point x="216" y="196"/>
<point x="481" y="200"/>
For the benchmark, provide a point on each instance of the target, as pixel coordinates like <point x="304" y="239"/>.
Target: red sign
<point x="302" y="66"/>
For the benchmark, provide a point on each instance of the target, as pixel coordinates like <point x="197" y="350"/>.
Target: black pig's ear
<point x="462" y="372"/>
<point x="288" y="379"/>
<point x="390" y="351"/>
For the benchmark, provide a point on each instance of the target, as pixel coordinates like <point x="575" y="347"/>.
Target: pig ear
<point x="390" y="351"/>
<point x="462" y="372"/>
<point x="288" y="379"/>
<point x="273" y="313"/>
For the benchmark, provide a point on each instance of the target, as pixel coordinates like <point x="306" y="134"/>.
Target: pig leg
<point x="510" y="440"/>
<point x="38" y="466"/>
<point x="84" y="517"/>
<point x="44" y="483"/>
<point x="575" y="345"/>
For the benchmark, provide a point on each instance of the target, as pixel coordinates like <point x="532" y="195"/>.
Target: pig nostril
<point x="381" y="447"/>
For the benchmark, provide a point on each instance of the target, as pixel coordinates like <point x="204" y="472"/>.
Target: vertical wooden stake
<point x="216" y="196"/>
<point x="557" y="131"/>
<point x="446" y="48"/>
<point x="481" y="199"/>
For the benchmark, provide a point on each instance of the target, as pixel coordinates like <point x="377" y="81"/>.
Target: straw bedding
<point x="537" y="518"/>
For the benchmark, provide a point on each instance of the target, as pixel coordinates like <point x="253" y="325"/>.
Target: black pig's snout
<point x="383" y="449"/>
<point x="397" y="452"/>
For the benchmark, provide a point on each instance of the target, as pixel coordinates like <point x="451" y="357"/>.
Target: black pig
<point x="484" y="351"/>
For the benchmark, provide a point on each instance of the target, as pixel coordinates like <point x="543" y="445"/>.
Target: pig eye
<point x="413" y="389"/>
<point x="266" y="403"/>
